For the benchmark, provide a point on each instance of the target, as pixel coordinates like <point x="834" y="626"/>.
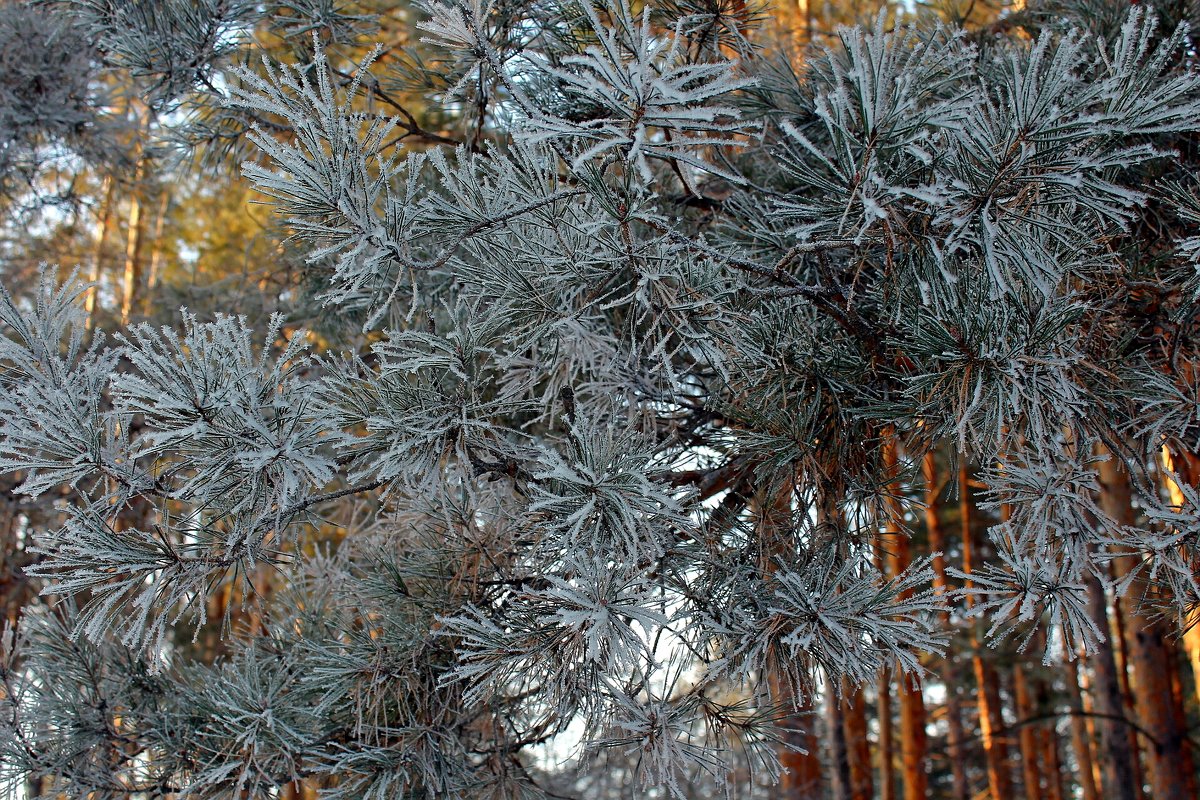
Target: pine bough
<point x="639" y="365"/>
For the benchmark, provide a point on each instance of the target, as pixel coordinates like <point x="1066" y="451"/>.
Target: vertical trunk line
<point x="913" y="737"/>
<point x="1184" y="466"/>
<point x="156" y="251"/>
<point x="950" y="677"/>
<point x="104" y="226"/>
<point x="1117" y="756"/>
<point x="1125" y="680"/>
<point x="1026" y="734"/>
<point x="1081" y="738"/>
<point x="800" y="750"/>
<point x="858" y="746"/>
<point x="839" y="758"/>
<point x="1048" y="740"/>
<point x="991" y="722"/>
<point x="887" y="745"/>
<point x="131" y="282"/>
<point x="1170" y="757"/>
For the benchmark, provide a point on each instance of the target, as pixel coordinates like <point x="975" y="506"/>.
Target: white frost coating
<point x="613" y="437"/>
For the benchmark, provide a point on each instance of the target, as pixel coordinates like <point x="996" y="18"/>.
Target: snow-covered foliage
<point x="48" y="96"/>
<point x="638" y="366"/>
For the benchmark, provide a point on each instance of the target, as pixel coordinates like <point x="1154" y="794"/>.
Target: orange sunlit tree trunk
<point x="950" y="675"/>
<point x="913" y="738"/>
<point x="1170" y="757"/>
<point x="858" y="745"/>
<point x="991" y="720"/>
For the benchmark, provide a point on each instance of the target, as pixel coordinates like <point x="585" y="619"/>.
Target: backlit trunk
<point x="104" y="226"/>
<point x="1185" y="468"/>
<point x="132" y="280"/>
<point x="156" y="251"/>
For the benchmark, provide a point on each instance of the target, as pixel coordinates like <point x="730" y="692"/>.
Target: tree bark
<point x="156" y="248"/>
<point x="131" y="284"/>
<point x="104" y="226"/>
<point x="1048" y="741"/>
<point x="1026" y="732"/>
<point x="800" y="754"/>
<point x="887" y="743"/>
<point x="1121" y="654"/>
<point x="1170" y="759"/>
<point x="1185" y="467"/>
<point x="1116" y="755"/>
<point x="800" y="758"/>
<point x="950" y="677"/>
<point x="913" y="738"/>
<point x="991" y="721"/>
<point x="1081" y="740"/>
<point x="858" y="746"/>
<point x="839" y="758"/>
<point x="887" y="739"/>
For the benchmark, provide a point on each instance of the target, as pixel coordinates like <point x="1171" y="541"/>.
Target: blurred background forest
<point x="133" y="179"/>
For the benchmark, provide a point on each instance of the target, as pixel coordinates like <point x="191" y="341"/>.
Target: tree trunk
<point x="156" y="245"/>
<point x="858" y="746"/>
<point x="1026" y="732"/>
<point x="913" y="742"/>
<point x="104" y="225"/>
<point x="1117" y="756"/>
<point x="1048" y="741"/>
<point x="950" y="677"/>
<point x="1178" y="709"/>
<point x="133" y="247"/>
<point x="1185" y="467"/>
<point x="887" y="738"/>
<point x="800" y="753"/>
<point x="1170" y="759"/>
<point x="835" y="732"/>
<point x="1157" y="706"/>
<point x="1086" y="693"/>
<point x="913" y="739"/>
<point x="887" y="771"/>
<point x="1121" y="655"/>
<point x="1191" y="645"/>
<point x="800" y="756"/>
<point x="991" y="721"/>
<point x="1081" y="740"/>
